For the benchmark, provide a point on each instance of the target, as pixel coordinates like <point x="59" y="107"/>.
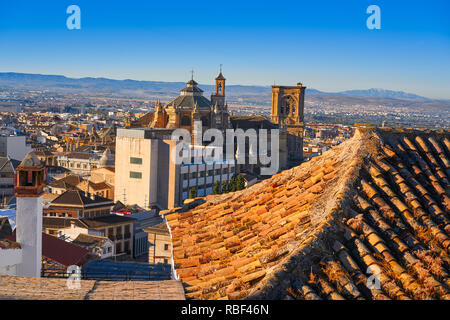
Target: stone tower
<point x="220" y="109"/>
<point x="288" y="104"/>
<point x="159" y="116"/>
<point x="28" y="188"/>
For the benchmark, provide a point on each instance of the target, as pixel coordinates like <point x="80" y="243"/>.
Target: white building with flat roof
<point x="14" y="147"/>
<point x="146" y="176"/>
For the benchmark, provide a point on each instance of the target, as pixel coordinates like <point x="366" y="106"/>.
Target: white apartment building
<point x="146" y="176"/>
<point x="14" y="147"/>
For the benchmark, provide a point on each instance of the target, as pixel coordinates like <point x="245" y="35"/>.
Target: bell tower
<point x="219" y="93"/>
<point x="288" y="103"/>
<point x="29" y="185"/>
<point x="218" y="102"/>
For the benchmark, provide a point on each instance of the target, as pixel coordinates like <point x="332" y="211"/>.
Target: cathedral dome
<point x="189" y="96"/>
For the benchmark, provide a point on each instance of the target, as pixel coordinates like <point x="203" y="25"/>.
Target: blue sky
<point x="324" y="44"/>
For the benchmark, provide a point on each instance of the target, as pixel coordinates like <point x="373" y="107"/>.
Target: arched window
<point x="289" y="105"/>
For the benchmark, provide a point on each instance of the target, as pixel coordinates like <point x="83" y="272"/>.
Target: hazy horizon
<point x="211" y="83"/>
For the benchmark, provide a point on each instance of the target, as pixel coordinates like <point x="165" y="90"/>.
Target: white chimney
<point x="29" y="184"/>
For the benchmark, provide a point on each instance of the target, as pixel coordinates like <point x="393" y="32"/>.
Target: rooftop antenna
<point x="192" y="74"/>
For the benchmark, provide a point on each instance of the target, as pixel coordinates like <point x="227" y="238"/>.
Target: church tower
<point x="288" y="103"/>
<point x="220" y="108"/>
<point x="159" y="119"/>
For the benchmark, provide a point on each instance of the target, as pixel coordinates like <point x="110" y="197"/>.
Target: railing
<point x="154" y="275"/>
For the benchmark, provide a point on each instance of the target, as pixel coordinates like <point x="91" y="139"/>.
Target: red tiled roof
<point x="60" y="251"/>
<point x="378" y="199"/>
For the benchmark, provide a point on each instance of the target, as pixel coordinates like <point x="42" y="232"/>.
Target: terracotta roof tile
<point x="26" y="288"/>
<point x="268" y="240"/>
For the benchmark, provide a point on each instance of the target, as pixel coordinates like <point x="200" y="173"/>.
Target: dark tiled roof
<point x="71" y="179"/>
<point x="88" y="240"/>
<point x="81" y="155"/>
<point x="61" y="184"/>
<point x="251" y="122"/>
<point x="188" y="102"/>
<point x="6" y="166"/>
<point x="55" y="222"/>
<point x="220" y="77"/>
<point x="105" y="221"/>
<point x="78" y="198"/>
<point x="379" y="199"/>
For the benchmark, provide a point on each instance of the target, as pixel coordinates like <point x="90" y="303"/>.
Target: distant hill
<point x="150" y="89"/>
<point x="382" y="93"/>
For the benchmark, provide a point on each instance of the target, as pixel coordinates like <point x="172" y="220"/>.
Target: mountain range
<point x="150" y="89"/>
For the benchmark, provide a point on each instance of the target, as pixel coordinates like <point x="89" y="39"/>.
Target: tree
<point x="193" y="192"/>
<point x="240" y="182"/>
<point x="232" y="184"/>
<point x="224" y="187"/>
<point x="216" y="188"/>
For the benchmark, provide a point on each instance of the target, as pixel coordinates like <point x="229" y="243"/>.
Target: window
<point x="135" y="175"/>
<point x="134" y="160"/>
<point x="166" y="261"/>
<point x="166" y="247"/>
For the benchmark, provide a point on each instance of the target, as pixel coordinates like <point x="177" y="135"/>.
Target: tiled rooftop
<point x="56" y="289"/>
<point x="311" y="232"/>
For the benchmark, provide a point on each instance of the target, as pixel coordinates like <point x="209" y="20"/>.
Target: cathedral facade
<point x="191" y="106"/>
